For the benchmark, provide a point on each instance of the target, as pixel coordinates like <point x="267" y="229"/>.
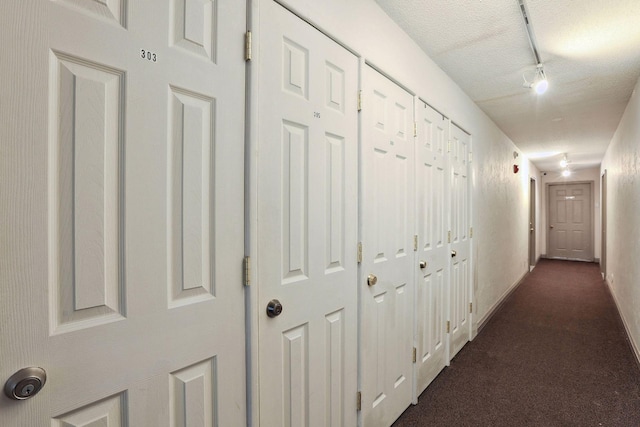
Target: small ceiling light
<point x="564" y="162"/>
<point x="540" y="83"/>
<point x="566" y="173"/>
<point x="541" y="86"/>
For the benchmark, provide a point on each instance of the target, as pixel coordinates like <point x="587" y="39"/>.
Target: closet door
<point x="432" y="267"/>
<point x="307" y="225"/>
<point x="387" y="268"/>
<point x="122" y="205"/>
<point x="460" y="291"/>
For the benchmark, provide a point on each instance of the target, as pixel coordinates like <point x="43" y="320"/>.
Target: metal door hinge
<point x="415" y="354"/>
<point x="448" y="146"/>
<point x="415" y="129"/>
<point x="359" y="256"/>
<point x="448" y="326"/>
<point x="246" y="267"/>
<point x="247" y="46"/>
<point x="415" y="243"/>
<point x="471" y="307"/>
<point x="359" y="100"/>
<point x="470" y="231"/>
<point x="359" y="401"/>
<point x="470" y="157"/>
<point x="449" y="237"/>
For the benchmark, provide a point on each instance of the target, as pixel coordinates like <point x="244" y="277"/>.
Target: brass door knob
<point x="423" y="264"/>
<point x="372" y="279"/>
<point x="453" y="253"/>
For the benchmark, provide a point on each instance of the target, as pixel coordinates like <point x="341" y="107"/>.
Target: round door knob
<point x="423" y="264"/>
<point x="25" y="383"/>
<point x="274" y="308"/>
<point x="551" y="226"/>
<point x="372" y="279"/>
<point x="453" y="253"/>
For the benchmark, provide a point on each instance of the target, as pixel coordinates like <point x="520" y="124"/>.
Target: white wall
<point x="622" y="163"/>
<point x="582" y="175"/>
<point x="500" y="197"/>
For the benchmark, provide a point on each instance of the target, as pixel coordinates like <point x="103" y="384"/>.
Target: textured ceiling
<point x="590" y="50"/>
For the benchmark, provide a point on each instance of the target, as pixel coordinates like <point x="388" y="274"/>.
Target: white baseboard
<point x="634" y="346"/>
<point x="494" y="308"/>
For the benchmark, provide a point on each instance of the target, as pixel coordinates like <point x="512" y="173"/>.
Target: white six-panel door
<point x="432" y="276"/>
<point x="460" y="292"/>
<point x="386" y="212"/>
<point x="307" y="225"/>
<point x="122" y="206"/>
<point x="570" y="208"/>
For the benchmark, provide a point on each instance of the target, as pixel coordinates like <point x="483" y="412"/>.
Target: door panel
<point x="460" y="292"/>
<point x="387" y="208"/>
<point x="122" y="210"/>
<point x="532" y="223"/>
<point x="603" y="216"/>
<point x="432" y="282"/>
<point x="307" y="179"/>
<point x="570" y="224"/>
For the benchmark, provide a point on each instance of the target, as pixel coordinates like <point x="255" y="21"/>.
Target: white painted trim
<point x="634" y="345"/>
<point x="494" y="309"/>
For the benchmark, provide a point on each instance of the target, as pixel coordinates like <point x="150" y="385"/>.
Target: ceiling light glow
<point x="564" y="162"/>
<point x="540" y="83"/>
<point x="566" y="173"/>
<point x="541" y="86"/>
<point x="598" y="32"/>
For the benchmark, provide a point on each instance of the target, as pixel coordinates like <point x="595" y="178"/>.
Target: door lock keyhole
<point x="25" y="383"/>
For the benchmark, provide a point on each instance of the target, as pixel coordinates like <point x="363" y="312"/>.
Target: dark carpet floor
<point x="555" y="354"/>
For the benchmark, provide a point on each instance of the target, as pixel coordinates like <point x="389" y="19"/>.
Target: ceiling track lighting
<point x="540" y="83"/>
<point x="564" y="162"/>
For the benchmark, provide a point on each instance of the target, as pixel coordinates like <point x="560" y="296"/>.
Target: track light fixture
<point x="564" y="162"/>
<point x="540" y="83"/>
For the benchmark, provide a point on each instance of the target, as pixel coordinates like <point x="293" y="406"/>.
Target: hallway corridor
<point x="555" y="354"/>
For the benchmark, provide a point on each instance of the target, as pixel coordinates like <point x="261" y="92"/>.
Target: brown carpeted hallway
<point x="555" y="354"/>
